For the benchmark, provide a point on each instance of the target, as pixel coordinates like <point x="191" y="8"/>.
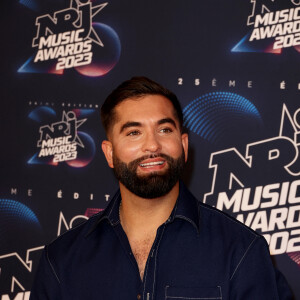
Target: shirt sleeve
<point x="46" y="285"/>
<point x="256" y="278"/>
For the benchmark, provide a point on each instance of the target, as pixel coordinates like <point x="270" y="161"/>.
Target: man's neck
<point x="140" y="216"/>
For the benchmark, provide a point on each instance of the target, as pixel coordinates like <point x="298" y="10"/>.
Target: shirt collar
<point x="112" y="211"/>
<point x="186" y="208"/>
<point x="110" y="214"/>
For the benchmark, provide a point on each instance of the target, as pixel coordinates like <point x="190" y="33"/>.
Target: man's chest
<point x="141" y="249"/>
<point x="172" y="270"/>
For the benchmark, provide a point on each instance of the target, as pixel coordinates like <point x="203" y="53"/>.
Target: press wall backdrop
<point x="235" y="66"/>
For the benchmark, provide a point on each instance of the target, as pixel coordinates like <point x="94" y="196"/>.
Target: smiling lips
<point x="157" y="164"/>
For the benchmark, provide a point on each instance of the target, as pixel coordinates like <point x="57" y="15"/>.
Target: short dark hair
<point x="136" y="87"/>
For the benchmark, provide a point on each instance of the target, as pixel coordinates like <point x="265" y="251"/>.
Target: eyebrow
<point x="167" y="120"/>
<point x="130" y="124"/>
<point x="138" y="124"/>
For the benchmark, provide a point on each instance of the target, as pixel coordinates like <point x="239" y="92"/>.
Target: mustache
<point x="137" y="161"/>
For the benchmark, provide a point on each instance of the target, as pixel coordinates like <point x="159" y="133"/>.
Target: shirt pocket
<point x="193" y="293"/>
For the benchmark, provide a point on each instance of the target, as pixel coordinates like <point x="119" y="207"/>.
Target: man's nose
<point x="151" y="143"/>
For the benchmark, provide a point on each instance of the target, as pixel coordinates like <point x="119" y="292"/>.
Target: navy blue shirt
<point x="198" y="253"/>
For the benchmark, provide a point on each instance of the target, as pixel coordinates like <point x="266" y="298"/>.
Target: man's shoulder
<point x="227" y="233"/>
<point x="214" y="216"/>
<point x="211" y="218"/>
<point x="223" y="231"/>
<point x="79" y="236"/>
<point x="74" y="236"/>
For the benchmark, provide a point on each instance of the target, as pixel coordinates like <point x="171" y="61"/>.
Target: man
<point x="154" y="240"/>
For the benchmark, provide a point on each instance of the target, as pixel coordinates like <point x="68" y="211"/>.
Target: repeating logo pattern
<point x="62" y="141"/>
<point x="71" y="38"/>
<point x="272" y="27"/>
<point x="248" y="186"/>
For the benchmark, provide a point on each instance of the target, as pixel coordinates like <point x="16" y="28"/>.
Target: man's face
<point x="146" y="147"/>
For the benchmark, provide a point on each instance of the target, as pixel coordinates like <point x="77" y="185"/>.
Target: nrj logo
<point x="71" y="38"/>
<point x="62" y="141"/>
<point x="17" y="280"/>
<point x="272" y="26"/>
<point x="261" y="188"/>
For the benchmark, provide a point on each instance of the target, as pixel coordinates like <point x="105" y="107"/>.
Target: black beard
<point x="153" y="185"/>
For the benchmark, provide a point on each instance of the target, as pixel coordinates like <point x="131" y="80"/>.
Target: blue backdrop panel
<point x="235" y="68"/>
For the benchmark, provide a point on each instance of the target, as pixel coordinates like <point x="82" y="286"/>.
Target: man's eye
<point x="132" y="133"/>
<point x="166" y="130"/>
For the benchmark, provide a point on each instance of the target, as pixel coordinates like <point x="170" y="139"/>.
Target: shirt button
<point x="139" y="297"/>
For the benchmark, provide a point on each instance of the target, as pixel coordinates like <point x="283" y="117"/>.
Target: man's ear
<point x="185" y="144"/>
<point x="108" y="152"/>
